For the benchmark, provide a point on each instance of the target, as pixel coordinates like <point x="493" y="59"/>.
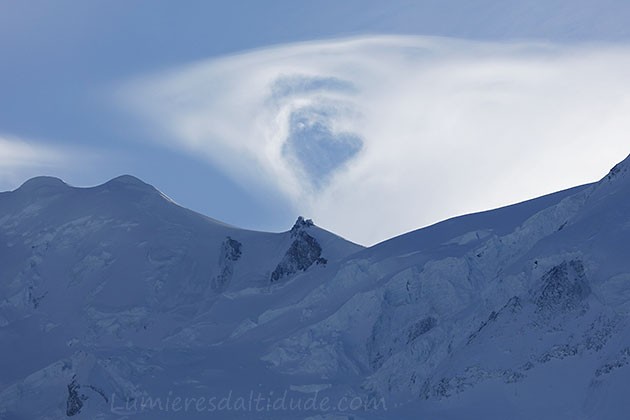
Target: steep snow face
<point x="519" y="312"/>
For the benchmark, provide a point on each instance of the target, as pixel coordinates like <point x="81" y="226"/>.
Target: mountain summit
<point x="40" y="182"/>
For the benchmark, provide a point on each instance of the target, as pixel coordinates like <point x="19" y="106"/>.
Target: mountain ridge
<point x="468" y="317"/>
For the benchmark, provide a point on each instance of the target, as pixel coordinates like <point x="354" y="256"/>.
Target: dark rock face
<point x="303" y="252"/>
<point x="74" y="403"/>
<point x="563" y="287"/>
<point x="231" y="251"/>
<point x="622" y="359"/>
<point x="421" y="327"/>
<point x="300" y="225"/>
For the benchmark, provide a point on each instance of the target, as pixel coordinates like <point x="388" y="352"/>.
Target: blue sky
<point x="349" y="112"/>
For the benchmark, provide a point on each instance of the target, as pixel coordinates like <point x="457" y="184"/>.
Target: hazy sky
<point x="371" y="117"/>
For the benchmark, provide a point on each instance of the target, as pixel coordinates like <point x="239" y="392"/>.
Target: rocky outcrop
<point x="303" y="252"/>
<point x="420" y="328"/>
<point x="74" y="403"/>
<point x="75" y="400"/>
<point x="300" y="225"/>
<point x="563" y="287"/>
<point x="620" y="360"/>
<point x="231" y="251"/>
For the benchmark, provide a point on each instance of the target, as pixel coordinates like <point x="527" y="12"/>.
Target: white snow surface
<point x="114" y="295"/>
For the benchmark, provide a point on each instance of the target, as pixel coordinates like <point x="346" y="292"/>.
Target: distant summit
<point x="42" y="182"/>
<point x="128" y="180"/>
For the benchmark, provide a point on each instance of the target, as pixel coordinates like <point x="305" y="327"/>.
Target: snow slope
<point x="113" y="295"/>
<point x="122" y="266"/>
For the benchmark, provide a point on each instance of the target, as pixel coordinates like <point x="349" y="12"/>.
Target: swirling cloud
<point x="374" y="136"/>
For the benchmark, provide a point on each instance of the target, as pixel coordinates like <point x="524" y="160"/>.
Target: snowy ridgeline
<point x="115" y="302"/>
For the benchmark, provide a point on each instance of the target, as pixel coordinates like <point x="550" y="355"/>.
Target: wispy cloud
<point x="20" y="159"/>
<point x="375" y="136"/>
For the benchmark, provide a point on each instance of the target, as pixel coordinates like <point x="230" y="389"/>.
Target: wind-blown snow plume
<point x="411" y="129"/>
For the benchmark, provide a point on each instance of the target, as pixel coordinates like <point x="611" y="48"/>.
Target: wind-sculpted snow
<point x="521" y="311"/>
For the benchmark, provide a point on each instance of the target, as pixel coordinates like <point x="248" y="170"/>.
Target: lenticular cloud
<point x="411" y="129"/>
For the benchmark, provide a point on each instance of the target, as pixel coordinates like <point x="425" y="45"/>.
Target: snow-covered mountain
<point x="116" y="302"/>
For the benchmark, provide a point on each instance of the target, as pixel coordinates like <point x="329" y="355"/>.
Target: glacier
<point x="115" y="302"/>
